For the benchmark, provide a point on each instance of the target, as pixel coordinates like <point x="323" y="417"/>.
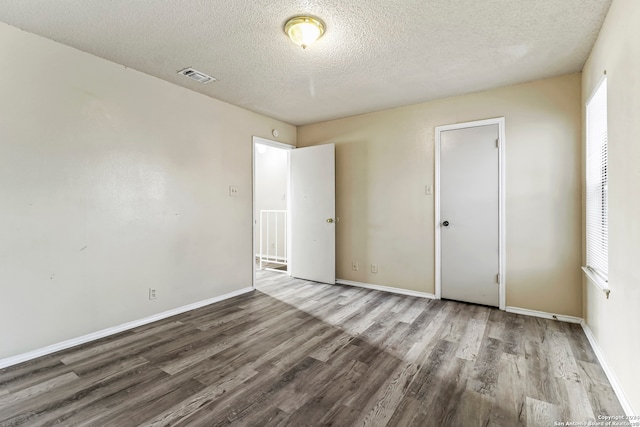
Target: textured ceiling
<point x="375" y="54"/>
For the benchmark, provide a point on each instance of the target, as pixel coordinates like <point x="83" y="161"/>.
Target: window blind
<point x="597" y="183"/>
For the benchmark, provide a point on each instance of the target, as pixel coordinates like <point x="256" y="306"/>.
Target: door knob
<point x="445" y="223"/>
<point x="330" y="220"/>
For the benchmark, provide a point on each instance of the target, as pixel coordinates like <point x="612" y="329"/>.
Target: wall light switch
<point x="428" y="190"/>
<point x="233" y="191"/>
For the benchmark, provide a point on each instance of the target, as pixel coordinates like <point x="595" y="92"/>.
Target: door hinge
<point x="498" y="278"/>
<point x="497" y="142"/>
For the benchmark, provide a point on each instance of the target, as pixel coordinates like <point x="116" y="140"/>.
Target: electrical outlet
<point x="233" y="191"/>
<point x="354" y="266"/>
<point x="152" y="293"/>
<point x="374" y="268"/>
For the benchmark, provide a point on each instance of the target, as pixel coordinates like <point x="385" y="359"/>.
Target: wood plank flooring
<point x="296" y="353"/>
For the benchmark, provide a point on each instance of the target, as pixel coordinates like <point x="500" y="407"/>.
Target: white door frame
<point x="276" y="144"/>
<point x="501" y="212"/>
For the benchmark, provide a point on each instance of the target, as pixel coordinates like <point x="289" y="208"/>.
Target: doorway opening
<point x="271" y="225"/>
<point x="294" y="210"/>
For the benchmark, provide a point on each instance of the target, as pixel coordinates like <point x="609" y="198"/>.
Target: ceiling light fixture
<point x="304" y="30"/>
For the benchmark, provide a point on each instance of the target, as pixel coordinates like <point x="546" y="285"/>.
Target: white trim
<point x="611" y="376"/>
<point x="500" y="121"/>
<point x="14" y="360"/>
<point x="544" y="315"/>
<point x="283" y="146"/>
<point x="385" y="289"/>
<point x="503" y="212"/>
<point x="597" y="281"/>
<point x="269" y="142"/>
<point x="289" y="226"/>
<point x="602" y="78"/>
<point x="436" y="201"/>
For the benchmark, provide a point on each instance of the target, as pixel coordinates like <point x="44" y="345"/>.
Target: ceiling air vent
<point x="197" y="75"/>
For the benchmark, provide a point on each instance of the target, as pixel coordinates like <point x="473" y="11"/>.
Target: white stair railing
<point x="273" y="237"/>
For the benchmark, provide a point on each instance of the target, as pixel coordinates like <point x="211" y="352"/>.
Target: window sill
<point x="597" y="281"/>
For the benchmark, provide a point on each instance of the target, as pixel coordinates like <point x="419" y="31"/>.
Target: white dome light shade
<point x="304" y="30"/>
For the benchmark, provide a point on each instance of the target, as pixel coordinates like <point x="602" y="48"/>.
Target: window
<point x="596" y="185"/>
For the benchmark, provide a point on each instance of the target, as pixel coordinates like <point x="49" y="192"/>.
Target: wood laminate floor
<point x="296" y="353"/>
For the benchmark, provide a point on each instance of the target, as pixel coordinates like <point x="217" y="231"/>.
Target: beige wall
<point x="615" y="321"/>
<point x="385" y="159"/>
<point x="112" y="181"/>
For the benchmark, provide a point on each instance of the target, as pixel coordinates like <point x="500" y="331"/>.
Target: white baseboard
<point x="544" y="315"/>
<point x="14" y="360"/>
<point x="617" y="388"/>
<point x="386" y="289"/>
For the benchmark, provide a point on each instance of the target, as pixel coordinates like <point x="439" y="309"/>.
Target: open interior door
<point x="313" y="210"/>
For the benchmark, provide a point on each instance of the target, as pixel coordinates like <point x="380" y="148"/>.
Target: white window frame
<point x="596" y="188"/>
